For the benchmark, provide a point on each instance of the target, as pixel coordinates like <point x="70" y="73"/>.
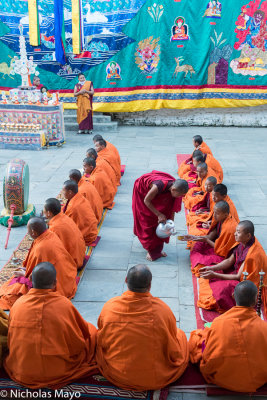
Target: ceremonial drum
<point x="16" y="192"/>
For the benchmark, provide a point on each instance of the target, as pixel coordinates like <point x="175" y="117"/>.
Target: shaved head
<point x="97" y="137"/>
<point x="247" y="227"/>
<point x="71" y="185"/>
<point x="222" y="206"/>
<point x="245" y="294"/>
<point x="139" y="278"/>
<point x="221" y="189"/>
<point x="53" y="205"/>
<point x="199" y="158"/>
<point x="197" y="153"/>
<point x="37" y="225"/>
<point x="212" y="180"/>
<point x="203" y="166"/>
<point x="75" y="175"/>
<point x="198" y="139"/>
<point x="181" y="186"/>
<point x="91" y="153"/>
<point x="44" y="276"/>
<point x="101" y="142"/>
<point x="89" y="161"/>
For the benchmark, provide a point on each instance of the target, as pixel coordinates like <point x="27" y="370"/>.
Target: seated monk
<point x="204" y="206"/>
<point x="101" y="163"/>
<point x="50" y="344"/>
<point x="232" y="352"/>
<point x="79" y="209"/>
<point x="89" y="192"/>
<point x="3" y="336"/>
<point x="110" y="147"/>
<point x="157" y="196"/>
<point x="66" y="229"/>
<point x="203" y="224"/>
<point x="217" y="282"/>
<point x="196" y="193"/>
<point x="198" y="158"/>
<point x="215" y="246"/>
<point x="100" y="180"/>
<point x="198" y="145"/>
<point x="139" y="346"/>
<point x="101" y="148"/>
<point x="46" y="247"/>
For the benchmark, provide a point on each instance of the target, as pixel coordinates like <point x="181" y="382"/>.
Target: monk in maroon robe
<point x="156" y="197"/>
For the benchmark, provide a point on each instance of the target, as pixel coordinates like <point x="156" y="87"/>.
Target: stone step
<point x="96" y="118"/>
<point x="99" y="126"/>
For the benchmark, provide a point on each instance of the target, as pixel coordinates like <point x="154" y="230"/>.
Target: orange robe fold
<point x="47" y="247"/>
<point x="83" y="103"/>
<point x="50" y="344"/>
<point x="80" y="210"/>
<point x="70" y="235"/>
<point x="103" y="185"/>
<point x="139" y="346"/>
<point x="185" y="166"/>
<point x="91" y="194"/>
<point x="3" y="336"/>
<point x="101" y="163"/>
<point x="235" y="348"/>
<point x="109" y="156"/>
<point x="114" y="150"/>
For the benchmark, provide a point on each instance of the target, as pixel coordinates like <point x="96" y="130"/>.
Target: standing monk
<point x="66" y="229"/>
<point x="84" y="92"/>
<point x="157" y="196"/>
<point x="46" y="247"/>
<point x="50" y="344"/>
<point x="139" y="346"/>
<point x="232" y="352"/>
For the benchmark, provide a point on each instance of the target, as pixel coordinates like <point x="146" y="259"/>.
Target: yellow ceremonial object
<point x="75" y="26"/>
<point x="33" y="23"/>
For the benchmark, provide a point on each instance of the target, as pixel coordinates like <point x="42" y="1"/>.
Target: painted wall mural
<point x="144" y="54"/>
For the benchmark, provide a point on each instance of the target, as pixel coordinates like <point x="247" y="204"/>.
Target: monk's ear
<point x="126" y="279"/>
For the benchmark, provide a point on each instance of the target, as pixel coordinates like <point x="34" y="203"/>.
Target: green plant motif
<point x="156" y="11"/>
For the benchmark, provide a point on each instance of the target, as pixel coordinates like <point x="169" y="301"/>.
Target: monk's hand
<point x="19" y="272"/>
<point x="82" y="91"/>
<point x="200" y="238"/>
<point x="207" y="274"/>
<point x="205" y="269"/>
<point x="161" y="218"/>
<point x="187" y="238"/>
<point x="205" y="225"/>
<point x="198" y="212"/>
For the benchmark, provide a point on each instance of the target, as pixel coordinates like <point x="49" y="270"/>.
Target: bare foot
<point x="148" y="257"/>
<point x="163" y="254"/>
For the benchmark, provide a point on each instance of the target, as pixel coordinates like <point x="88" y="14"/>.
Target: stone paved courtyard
<point x="242" y="154"/>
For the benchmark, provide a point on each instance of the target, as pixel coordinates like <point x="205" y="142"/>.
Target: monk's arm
<point x="225" y="277"/>
<point x="223" y="265"/>
<point x="149" y="197"/>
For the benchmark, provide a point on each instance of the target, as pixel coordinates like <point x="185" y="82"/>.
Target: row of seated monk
<point x="222" y="250"/>
<point x="71" y="227"/>
<point x="137" y="344"/>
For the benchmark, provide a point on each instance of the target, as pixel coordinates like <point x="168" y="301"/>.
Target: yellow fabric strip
<point x="33" y="23"/>
<point x="76" y="26"/>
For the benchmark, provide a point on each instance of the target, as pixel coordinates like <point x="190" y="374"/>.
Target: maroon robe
<point x="145" y="222"/>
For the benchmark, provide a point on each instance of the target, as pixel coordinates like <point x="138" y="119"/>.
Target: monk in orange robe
<point x="3" y="336"/>
<point x="110" y="147"/>
<point x="203" y="224"/>
<point x="198" y="145"/>
<point x="139" y="346"/>
<point x="50" y="344"/>
<point x="84" y="92"/>
<point x="66" y="229"/>
<point x="80" y="210"/>
<point x="102" y="164"/>
<point x="232" y="352"/>
<point x="198" y="158"/>
<point x="101" y="149"/>
<point x="100" y="180"/>
<point x="46" y="246"/>
<point x="217" y="282"/>
<point x="196" y="194"/>
<point x="88" y="190"/>
<point x="215" y="246"/>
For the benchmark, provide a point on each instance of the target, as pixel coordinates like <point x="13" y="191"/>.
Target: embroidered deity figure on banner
<point x="180" y="30"/>
<point x="214" y="9"/>
<point x="113" y="71"/>
<point x="147" y="55"/>
<point x="251" y="34"/>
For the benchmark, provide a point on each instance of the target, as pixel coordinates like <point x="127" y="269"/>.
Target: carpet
<point x="95" y="387"/>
